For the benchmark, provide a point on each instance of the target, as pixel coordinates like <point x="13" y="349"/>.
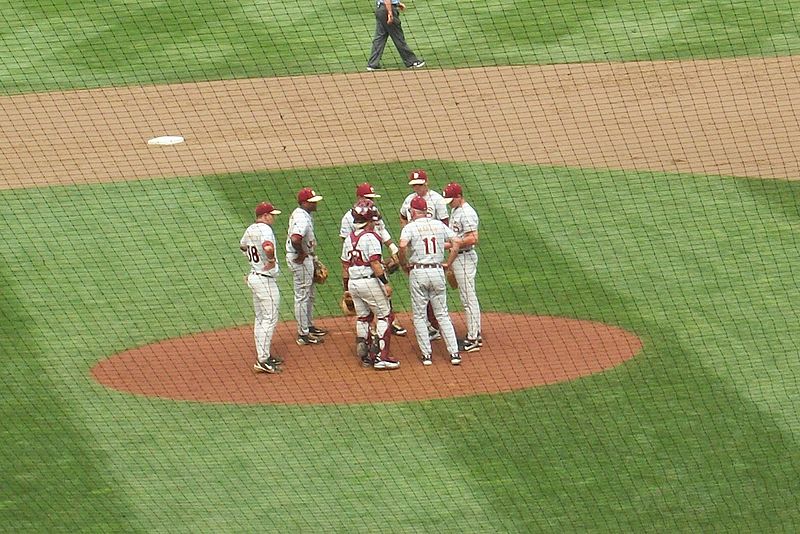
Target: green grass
<point x="698" y="432"/>
<point x="59" y="45"/>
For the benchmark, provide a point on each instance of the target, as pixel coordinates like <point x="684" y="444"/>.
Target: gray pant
<point x="428" y="285"/>
<point x="383" y="31"/>
<point x="304" y="292"/>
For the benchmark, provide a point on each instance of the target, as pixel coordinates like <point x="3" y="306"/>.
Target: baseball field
<point x="634" y="168"/>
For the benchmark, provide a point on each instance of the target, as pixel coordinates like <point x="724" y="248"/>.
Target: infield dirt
<point x="733" y="117"/>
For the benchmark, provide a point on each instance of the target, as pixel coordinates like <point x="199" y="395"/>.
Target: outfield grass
<point x="698" y="432"/>
<point x="59" y="44"/>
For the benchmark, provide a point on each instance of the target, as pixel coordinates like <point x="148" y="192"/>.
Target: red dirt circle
<point x="519" y="352"/>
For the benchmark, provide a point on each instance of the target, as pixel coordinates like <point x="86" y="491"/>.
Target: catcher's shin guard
<point x="384" y="335"/>
<point x="362" y="325"/>
<point x="362" y="351"/>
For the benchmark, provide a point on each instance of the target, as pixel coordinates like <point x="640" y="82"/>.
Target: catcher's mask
<point x="365" y="211"/>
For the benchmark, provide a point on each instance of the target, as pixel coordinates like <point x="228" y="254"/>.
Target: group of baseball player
<point x="432" y="241"/>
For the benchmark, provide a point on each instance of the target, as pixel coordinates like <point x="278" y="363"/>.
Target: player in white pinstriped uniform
<point x="258" y="245"/>
<point x="365" y="191"/>
<point x="364" y="278"/>
<point x="422" y="247"/>
<point x="437" y="209"/>
<point x="464" y="222"/>
<point x="301" y="245"/>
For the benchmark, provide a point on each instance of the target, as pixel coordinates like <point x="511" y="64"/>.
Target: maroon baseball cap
<point x="451" y="191"/>
<point x="418" y="203"/>
<point x="417" y="177"/>
<point x="266" y="207"/>
<point x="366" y="190"/>
<point x="308" y="195"/>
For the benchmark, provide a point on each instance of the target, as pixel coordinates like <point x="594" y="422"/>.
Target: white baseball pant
<point x="465" y="268"/>
<point x="369" y="299"/>
<point x="266" y="301"/>
<point x="428" y="285"/>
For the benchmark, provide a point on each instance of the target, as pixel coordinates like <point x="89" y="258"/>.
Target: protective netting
<point x="625" y="323"/>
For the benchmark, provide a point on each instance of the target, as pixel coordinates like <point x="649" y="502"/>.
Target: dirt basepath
<point x="728" y="117"/>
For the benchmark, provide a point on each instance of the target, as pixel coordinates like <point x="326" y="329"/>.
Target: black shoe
<point x="266" y="367"/>
<point x="370" y="69"/>
<point x="471" y="345"/>
<point x="309" y="339"/>
<point x="417" y="65"/>
<point x="319" y="332"/>
<point x="275" y="360"/>
<point x="398" y="330"/>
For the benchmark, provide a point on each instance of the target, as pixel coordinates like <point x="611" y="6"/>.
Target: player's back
<point x="426" y="238"/>
<point x="253" y="239"/>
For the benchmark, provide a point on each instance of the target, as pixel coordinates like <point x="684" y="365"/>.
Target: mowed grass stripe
<point x="501" y="441"/>
<point x="53" y="475"/>
<point x="59" y="45"/>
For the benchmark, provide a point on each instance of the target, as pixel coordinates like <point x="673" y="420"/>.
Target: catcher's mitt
<point x="320" y="272"/>
<point x="451" y="278"/>
<point x="346" y="303"/>
<point x="392" y="265"/>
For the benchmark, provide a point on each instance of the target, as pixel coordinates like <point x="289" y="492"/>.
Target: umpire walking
<point x="387" y="24"/>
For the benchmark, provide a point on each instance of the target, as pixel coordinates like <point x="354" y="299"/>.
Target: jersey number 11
<point x="430" y="245"/>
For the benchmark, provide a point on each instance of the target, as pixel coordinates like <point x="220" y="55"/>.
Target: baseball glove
<point x="451" y="278"/>
<point x="320" y="272"/>
<point x="346" y="304"/>
<point x="392" y="265"/>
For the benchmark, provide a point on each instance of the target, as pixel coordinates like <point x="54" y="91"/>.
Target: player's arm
<point x="297" y="244"/>
<point x="469" y="239"/>
<point x="455" y="245"/>
<point x="402" y="253"/>
<point x="269" y="254"/>
<point x="441" y="212"/>
<point x="345" y="266"/>
<point x="377" y="270"/>
<point x="345" y="274"/>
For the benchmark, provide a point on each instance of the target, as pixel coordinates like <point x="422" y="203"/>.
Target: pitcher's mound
<point x="519" y="352"/>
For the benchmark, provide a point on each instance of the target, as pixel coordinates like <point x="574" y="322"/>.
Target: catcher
<point x="363" y="277"/>
<point x="365" y="191"/>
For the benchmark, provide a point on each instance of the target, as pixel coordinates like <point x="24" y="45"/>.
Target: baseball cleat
<point x="417" y="65"/>
<point x="275" y="360"/>
<point x="434" y="334"/>
<point x="480" y="340"/>
<point x="471" y="345"/>
<point x="308" y="339"/>
<point x="455" y="359"/>
<point x="319" y="332"/>
<point x="266" y="367"/>
<point x="370" y="69"/>
<point x="385" y="363"/>
<point x="426" y="360"/>
<point x="398" y="330"/>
